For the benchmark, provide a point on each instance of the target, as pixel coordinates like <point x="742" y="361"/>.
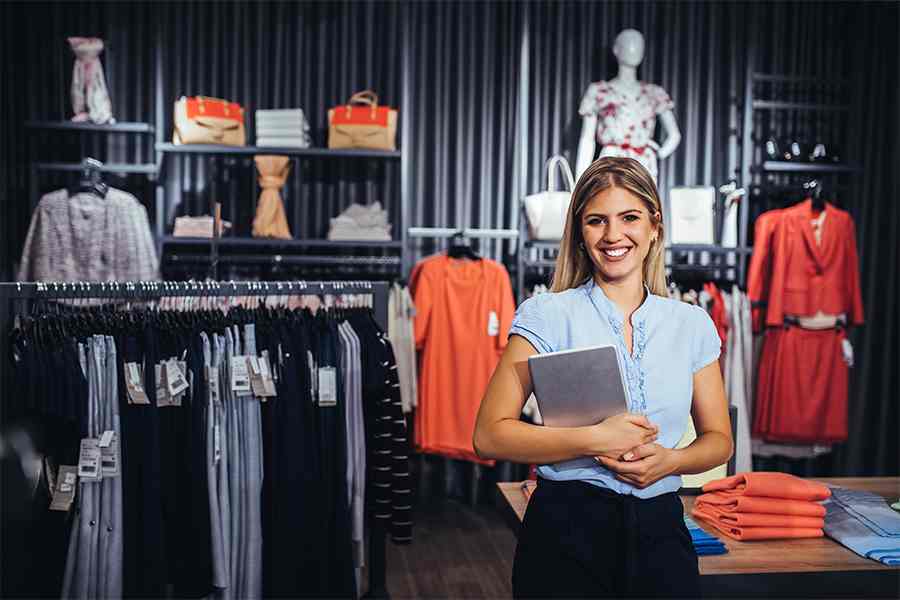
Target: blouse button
<point x="93" y="522"/>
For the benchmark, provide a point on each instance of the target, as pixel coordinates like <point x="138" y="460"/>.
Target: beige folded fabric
<point x="270" y="220"/>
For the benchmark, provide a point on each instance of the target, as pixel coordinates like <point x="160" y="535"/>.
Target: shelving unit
<point x="227" y="242"/>
<point x="774" y="166"/>
<point x="796" y="107"/>
<point x="150" y="170"/>
<point x="123" y="127"/>
<point x="251" y="150"/>
<point x="274" y="251"/>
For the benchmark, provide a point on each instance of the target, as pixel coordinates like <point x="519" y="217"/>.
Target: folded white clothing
<point x="280" y="132"/>
<point x="359" y="235"/>
<point x="282" y="142"/>
<point x="280" y="112"/>
<point x="372" y="214"/>
<point x="278" y="123"/>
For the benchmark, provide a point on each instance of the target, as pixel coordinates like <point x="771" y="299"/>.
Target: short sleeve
<point x="590" y="103"/>
<point x="662" y="101"/>
<point x="707" y="345"/>
<point x="534" y="322"/>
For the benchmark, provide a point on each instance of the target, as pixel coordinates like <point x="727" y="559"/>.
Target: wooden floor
<point x="458" y="551"/>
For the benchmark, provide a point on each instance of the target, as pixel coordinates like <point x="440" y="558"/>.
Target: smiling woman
<point x="606" y="519"/>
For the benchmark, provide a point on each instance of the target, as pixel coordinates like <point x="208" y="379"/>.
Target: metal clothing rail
<point x="147" y="290"/>
<point x="470" y="232"/>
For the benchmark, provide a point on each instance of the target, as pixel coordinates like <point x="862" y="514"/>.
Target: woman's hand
<point x="621" y="433"/>
<point x="643" y="465"/>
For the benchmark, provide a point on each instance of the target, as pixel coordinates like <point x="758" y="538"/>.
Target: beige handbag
<point x="361" y="123"/>
<point x="270" y="220"/>
<point x="202" y="120"/>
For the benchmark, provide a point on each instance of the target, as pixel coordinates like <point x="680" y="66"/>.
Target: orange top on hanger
<point x="464" y="309"/>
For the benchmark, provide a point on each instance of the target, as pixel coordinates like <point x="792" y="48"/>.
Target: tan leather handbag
<point x="203" y="120"/>
<point x="362" y="123"/>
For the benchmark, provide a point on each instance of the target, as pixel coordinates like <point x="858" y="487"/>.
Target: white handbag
<point x="546" y="211"/>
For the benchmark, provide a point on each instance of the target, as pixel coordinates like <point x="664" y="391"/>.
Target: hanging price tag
<point x="256" y="381"/>
<point x="64" y="491"/>
<point x="176" y="382"/>
<point x="134" y="385"/>
<point x="240" y="378"/>
<point x="266" y="372"/>
<point x="89" y="460"/>
<point x="109" y="457"/>
<point x="327" y="386"/>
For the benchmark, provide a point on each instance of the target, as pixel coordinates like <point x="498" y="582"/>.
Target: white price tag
<point x="106" y="438"/>
<point x="493" y="328"/>
<point x="240" y="378"/>
<point x="89" y="460"/>
<point x="327" y="386"/>
<point x="175" y="379"/>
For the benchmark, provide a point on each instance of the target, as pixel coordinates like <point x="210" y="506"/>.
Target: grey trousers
<point x="94" y="562"/>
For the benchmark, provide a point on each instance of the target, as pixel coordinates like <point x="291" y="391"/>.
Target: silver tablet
<point x="579" y="387"/>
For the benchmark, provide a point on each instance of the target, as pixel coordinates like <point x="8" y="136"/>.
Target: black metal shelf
<point x="148" y="169"/>
<point x="249" y="150"/>
<point x="711" y="248"/>
<point x="795" y="79"/>
<point x="542" y="244"/>
<point x="774" y="166"/>
<point x="124" y="127"/>
<point x="238" y="242"/>
<point x="772" y="105"/>
<point x="280" y="259"/>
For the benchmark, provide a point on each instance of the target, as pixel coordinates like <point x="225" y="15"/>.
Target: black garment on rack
<point x="145" y="573"/>
<point x="388" y="483"/>
<point x="56" y="408"/>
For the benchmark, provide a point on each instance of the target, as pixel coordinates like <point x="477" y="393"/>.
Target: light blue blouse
<point x="672" y="340"/>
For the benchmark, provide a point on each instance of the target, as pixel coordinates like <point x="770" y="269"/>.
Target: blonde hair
<point x="574" y="267"/>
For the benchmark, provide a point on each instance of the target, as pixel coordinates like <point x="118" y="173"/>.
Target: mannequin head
<point x="629" y="48"/>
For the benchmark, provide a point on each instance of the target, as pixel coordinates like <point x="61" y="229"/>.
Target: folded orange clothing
<point x="769" y="485"/>
<point x="746" y="534"/>
<point x="771" y="506"/>
<point x="742" y="519"/>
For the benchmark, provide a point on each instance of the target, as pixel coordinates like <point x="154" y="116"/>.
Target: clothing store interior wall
<point x="780" y="107"/>
<point x="486" y="93"/>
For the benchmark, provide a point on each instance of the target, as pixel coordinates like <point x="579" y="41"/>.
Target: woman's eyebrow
<point x="624" y="212"/>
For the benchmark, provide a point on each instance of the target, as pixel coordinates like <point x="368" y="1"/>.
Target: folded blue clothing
<point x="711" y="551"/>
<point x="869" y="508"/>
<point x="705" y="544"/>
<point x="864" y="523"/>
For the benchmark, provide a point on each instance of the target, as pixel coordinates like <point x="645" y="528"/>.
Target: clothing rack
<point x="152" y="290"/>
<point x="469" y="232"/>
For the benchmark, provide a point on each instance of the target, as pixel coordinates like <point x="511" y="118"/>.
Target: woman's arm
<point x="499" y="434"/>
<point x="714" y="445"/>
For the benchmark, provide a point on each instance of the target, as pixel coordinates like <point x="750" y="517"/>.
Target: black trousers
<point x="581" y="541"/>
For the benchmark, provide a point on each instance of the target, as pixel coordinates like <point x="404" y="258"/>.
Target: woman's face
<point x="617" y="230"/>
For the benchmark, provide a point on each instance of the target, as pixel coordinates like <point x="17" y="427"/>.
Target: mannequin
<point x="621" y="113"/>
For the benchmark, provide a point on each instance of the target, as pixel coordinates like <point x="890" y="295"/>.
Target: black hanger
<point x="91" y="179"/>
<point x="813" y="189"/>
<point x="460" y="248"/>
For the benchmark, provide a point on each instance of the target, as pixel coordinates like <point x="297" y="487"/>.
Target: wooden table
<point x="809" y="567"/>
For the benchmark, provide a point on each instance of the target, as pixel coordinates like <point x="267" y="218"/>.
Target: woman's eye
<point x="594" y="221"/>
<point x="631" y="218"/>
